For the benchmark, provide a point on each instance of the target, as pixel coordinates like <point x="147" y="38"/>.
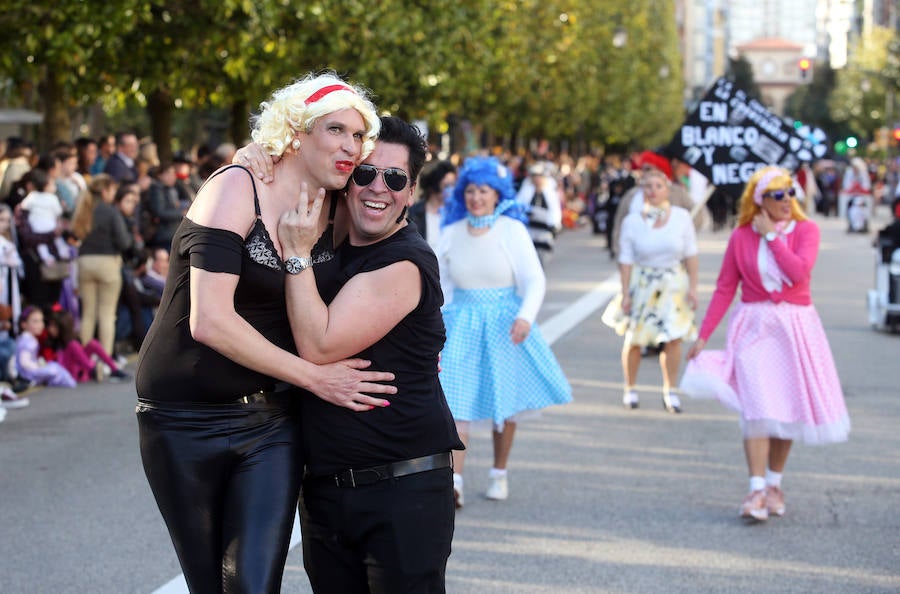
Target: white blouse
<point x="642" y="244"/>
<point x="502" y="257"/>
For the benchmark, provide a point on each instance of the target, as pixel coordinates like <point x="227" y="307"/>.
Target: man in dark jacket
<point x="120" y="166"/>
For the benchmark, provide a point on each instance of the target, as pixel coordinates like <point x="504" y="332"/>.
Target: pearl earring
<point x="295" y="144"/>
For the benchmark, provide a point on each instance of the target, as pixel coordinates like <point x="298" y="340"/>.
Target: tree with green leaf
<point x="517" y="69"/>
<point x="60" y="56"/>
<point x="866" y="88"/>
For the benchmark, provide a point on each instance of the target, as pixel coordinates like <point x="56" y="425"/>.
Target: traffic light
<point x="804" y="67"/>
<point x="852" y="142"/>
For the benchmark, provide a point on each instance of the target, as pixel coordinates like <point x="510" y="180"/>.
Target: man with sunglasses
<point x="377" y="509"/>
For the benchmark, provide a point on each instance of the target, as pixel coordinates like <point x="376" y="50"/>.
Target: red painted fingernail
<point x="386" y="403"/>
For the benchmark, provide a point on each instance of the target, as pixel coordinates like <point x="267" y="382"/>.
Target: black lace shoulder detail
<point x="260" y="247"/>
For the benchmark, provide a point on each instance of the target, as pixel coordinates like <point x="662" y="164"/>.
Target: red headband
<point x="324" y="91"/>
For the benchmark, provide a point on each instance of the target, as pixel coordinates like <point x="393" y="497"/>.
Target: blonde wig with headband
<point x="299" y="105"/>
<point x="762" y="180"/>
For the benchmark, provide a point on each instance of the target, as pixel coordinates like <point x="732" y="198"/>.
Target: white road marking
<point x="560" y="324"/>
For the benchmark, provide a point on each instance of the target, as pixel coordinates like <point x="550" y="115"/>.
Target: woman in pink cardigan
<point x="776" y="370"/>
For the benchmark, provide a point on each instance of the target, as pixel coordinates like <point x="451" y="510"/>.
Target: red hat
<point x="656" y="161"/>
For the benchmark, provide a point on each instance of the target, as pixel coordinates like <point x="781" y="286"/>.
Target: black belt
<point x="264" y="394"/>
<point x="352" y="477"/>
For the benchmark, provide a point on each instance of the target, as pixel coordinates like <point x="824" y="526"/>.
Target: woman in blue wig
<point x="495" y="363"/>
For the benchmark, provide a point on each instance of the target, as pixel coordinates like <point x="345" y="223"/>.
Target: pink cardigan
<point x="796" y="257"/>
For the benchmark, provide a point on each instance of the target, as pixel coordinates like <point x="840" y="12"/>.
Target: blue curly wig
<point x="481" y="171"/>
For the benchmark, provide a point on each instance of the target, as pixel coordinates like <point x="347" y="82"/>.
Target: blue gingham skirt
<point x="483" y="374"/>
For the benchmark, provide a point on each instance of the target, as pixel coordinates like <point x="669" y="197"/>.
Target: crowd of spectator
<point x="85" y="229"/>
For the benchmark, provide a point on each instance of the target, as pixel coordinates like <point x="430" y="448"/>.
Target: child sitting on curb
<point x="83" y="362"/>
<point x="29" y="364"/>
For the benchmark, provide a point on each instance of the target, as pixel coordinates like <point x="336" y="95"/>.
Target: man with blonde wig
<point x="219" y="379"/>
<point x="297" y="107"/>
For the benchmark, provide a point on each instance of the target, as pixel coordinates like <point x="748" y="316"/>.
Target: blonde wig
<point x="763" y="180"/>
<point x="299" y="105"/>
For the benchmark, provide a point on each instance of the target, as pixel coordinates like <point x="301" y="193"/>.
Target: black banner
<point x="728" y="136"/>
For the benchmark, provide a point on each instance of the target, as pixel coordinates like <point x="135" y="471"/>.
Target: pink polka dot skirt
<point x="777" y="371"/>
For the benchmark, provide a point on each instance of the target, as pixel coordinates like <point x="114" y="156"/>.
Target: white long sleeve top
<point x="662" y="247"/>
<point x="502" y="257"/>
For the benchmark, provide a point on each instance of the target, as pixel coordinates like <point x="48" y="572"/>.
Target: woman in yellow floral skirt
<point x="658" y="270"/>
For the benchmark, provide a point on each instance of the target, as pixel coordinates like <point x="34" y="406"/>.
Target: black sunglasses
<point x="395" y="179"/>
<point x="780" y="194"/>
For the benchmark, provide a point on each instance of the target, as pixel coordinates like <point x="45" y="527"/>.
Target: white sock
<point x="497" y="473"/>
<point x="773" y="479"/>
<point x="757" y="483"/>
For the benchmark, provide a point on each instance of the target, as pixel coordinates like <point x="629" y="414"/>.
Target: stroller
<point x="884" y="299"/>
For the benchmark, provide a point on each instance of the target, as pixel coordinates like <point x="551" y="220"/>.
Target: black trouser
<point x="226" y="479"/>
<point x="390" y="537"/>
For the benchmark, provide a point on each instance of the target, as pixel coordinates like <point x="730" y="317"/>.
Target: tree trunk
<point x="160" y="108"/>
<point x="240" y="122"/>
<point x="56" y="115"/>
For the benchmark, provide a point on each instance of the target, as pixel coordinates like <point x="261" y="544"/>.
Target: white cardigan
<point x="531" y="284"/>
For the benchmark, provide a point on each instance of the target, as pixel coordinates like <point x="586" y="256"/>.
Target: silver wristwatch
<point x="297" y="264"/>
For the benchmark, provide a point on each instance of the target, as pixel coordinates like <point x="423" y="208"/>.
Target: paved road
<point x="602" y="499"/>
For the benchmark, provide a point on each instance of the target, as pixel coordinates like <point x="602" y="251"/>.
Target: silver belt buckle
<point x="337" y="479"/>
<point x="251" y="398"/>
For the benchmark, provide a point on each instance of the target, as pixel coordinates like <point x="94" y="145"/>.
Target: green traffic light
<point x="840" y="147"/>
<point x="852" y="142"/>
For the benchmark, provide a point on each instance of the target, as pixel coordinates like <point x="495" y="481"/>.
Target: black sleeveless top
<point x="418" y="422"/>
<point x="172" y="366"/>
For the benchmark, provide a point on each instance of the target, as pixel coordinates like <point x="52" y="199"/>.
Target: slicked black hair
<point x="398" y="131"/>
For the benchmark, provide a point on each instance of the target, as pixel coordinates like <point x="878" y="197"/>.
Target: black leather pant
<point x="227" y="480"/>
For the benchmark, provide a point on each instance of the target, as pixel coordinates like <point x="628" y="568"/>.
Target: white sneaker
<point x="11" y="400"/>
<point x="630" y="399"/>
<point x="498" y="488"/>
<point x="458" y="496"/>
<point x="672" y="403"/>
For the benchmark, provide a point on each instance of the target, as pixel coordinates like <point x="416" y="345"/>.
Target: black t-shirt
<point x="418" y="422"/>
<point x="172" y="366"/>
